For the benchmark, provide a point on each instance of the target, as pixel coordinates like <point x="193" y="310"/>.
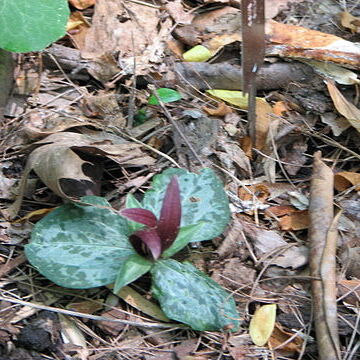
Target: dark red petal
<point x="142" y="216"/>
<point x="150" y="238"/>
<point x="170" y="215"/>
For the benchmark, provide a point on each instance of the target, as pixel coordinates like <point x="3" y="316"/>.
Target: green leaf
<point x="189" y="296"/>
<point x="186" y="235"/>
<point x="134" y="267"/>
<point x="166" y="95"/>
<point x="80" y="246"/>
<point x="31" y="25"/>
<point x="203" y="199"/>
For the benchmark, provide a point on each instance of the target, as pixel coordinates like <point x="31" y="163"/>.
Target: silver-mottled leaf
<point x="80" y="246"/>
<point x="203" y="199"/>
<point x="189" y="296"/>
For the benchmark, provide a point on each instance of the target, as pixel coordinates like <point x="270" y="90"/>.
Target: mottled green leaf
<point x="31" y="25"/>
<point x="186" y="235"/>
<point x="189" y="296"/>
<point x="166" y="95"/>
<point x="80" y="246"/>
<point x="134" y="267"/>
<point x="203" y="199"/>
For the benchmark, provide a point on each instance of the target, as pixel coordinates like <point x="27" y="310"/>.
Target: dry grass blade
<point x="322" y="237"/>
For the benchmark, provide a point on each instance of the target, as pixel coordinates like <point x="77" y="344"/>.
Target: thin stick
<point x="89" y="316"/>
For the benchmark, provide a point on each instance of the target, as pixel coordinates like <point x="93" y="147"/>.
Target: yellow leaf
<point x="198" y="53"/>
<point x="231" y="96"/>
<point x="136" y="300"/>
<point x="34" y="215"/>
<point x="262" y="324"/>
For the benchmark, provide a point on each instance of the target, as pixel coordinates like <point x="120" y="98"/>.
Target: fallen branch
<point x="228" y="77"/>
<point x="322" y="238"/>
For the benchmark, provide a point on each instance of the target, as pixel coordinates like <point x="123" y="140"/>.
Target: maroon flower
<point x="158" y="234"/>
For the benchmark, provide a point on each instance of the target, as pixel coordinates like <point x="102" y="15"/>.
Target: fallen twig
<point x="322" y="238"/>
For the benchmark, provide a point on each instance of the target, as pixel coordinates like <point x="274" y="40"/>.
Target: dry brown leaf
<point x="64" y="171"/>
<point x="349" y="291"/>
<point x="350" y="259"/>
<point x="77" y="28"/>
<point x="345" y="179"/>
<point x="221" y="110"/>
<point x="274" y="7"/>
<point x="232" y="154"/>
<point x="343" y="106"/>
<point x="279" y="339"/>
<point x="176" y="10"/>
<point x="280" y="210"/>
<point x="219" y="21"/>
<point x="264" y="241"/>
<point x="260" y="191"/>
<point x="7" y="185"/>
<point x="350" y="22"/>
<point x="111" y="327"/>
<point x="82" y="4"/>
<point x="292" y="258"/>
<point x="246" y="146"/>
<point x="338" y="124"/>
<point x="86" y="306"/>
<point x="299" y="42"/>
<point x="298" y="220"/>
<point x="132" y="29"/>
<point x="216" y="43"/>
<point x="38" y="128"/>
<point x="280" y="108"/>
<point x="263" y="119"/>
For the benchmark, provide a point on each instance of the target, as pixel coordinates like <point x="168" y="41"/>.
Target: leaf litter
<point x="80" y="132"/>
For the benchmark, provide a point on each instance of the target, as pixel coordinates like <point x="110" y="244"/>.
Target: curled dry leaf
<point x="343" y="106"/>
<point x="350" y="22"/>
<point x="346" y="179"/>
<point x="262" y="324"/>
<point x="285" y="342"/>
<point x="297" y="220"/>
<point x="56" y="162"/>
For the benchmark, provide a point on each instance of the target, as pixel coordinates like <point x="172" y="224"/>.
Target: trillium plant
<point x="88" y="244"/>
